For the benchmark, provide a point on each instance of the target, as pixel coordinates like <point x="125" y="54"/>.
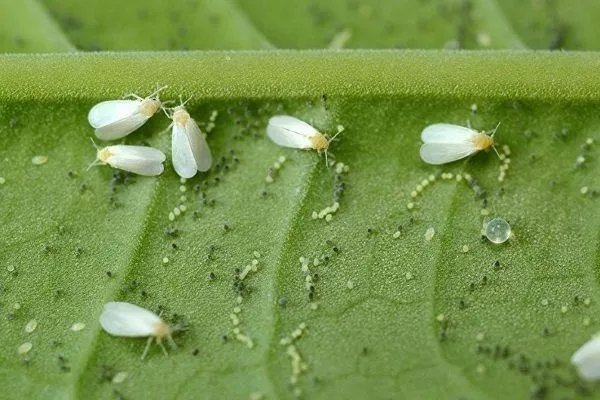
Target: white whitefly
<point x="288" y="131"/>
<point x="141" y="160"/>
<point x="114" y="119"/>
<point x="189" y="149"/>
<point x="129" y="320"/>
<point x="444" y="143"/>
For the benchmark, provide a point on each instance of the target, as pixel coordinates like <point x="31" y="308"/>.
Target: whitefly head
<point x="151" y="104"/>
<point x="103" y="155"/>
<point x="180" y="115"/>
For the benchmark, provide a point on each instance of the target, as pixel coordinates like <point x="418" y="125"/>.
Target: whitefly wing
<point x="442" y="153"/>
<point x="125" y="319"/>
<point x="447" y="133"/>
<point x="587" y="359"/>
<point x="140" y="160"/>
<point x="142" y="152"/>
<point x="137" y="166"/>
<point x="183" y="156"/>
<point x="198" y="145"/>
<point x="115" y="119"/>
<point x="288" y="131"/>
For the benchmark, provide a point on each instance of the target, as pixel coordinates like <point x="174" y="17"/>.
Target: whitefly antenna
<point x="158" y="90"/>
<point x="340" y="129"/>
<point x="96" y="161"/>
<point x="492" y="135"/>
<point x="495" y="129"/>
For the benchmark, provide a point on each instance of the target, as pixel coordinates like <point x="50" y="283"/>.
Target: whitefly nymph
<point x="444" y="143"/>
<point x="114" y="119"/>
<point x="288" y="131"/>
<point x="129" y="320"/>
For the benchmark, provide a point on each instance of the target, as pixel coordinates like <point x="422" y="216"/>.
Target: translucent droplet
<point x="497" y="231"/>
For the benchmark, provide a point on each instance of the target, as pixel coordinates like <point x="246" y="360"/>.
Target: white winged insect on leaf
<point x="189" y="149"/>
<point x="129" y="320"/>
<point x="444" y="143"/>
<point x="114" y="119"/>
<point x="587" y="359"/>
<point x="288" y="131"/>
<point x="141" y="160"/>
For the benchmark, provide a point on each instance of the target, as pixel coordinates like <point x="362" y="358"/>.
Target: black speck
<point x="212" y="276"/>
<point x="443" y="335"/>
<point x="195" y="352"/>
<point x="546" y="331"/>
<point x="497" y="264"/>
<point x="172" y="232"/>
<point x="109" y="274"/>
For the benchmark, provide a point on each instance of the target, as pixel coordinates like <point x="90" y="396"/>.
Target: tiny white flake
<point x="24" y="348"/>
<point x="77" y="326"/>
<point x="39" y="160"/>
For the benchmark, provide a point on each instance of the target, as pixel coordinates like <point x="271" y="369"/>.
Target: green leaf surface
<point x="25" y="26"/>
<point x="156" y="25"/>
<point x="393" y="315"/>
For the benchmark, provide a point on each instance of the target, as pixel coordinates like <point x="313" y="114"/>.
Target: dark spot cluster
<point x="239" y="286"/>
<point x="106" y="373"/>
<point x="131" y="287"/>
<point x="339" y="187"/>
<point x="62" y="363"/>
<point x="119" y="179"/>
<point x="545" y="375"/>
<point x="479" y="191"/>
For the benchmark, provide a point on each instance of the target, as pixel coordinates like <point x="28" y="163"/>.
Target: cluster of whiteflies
<point x="115" y="119"/>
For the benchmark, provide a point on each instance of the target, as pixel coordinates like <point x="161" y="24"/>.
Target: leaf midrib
<point x="87" y="363"/>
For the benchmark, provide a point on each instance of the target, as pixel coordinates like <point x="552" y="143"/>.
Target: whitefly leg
<point x="148" y="343"/>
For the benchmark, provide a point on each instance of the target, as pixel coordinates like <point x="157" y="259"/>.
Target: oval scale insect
<point x="129" y="320"/>
<point x="444" y="143"/>
<point x="288" y="131"/>
<point x="189" y="149"/>
<point x="141" y="160"/>
<point x="114" y="119"/>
